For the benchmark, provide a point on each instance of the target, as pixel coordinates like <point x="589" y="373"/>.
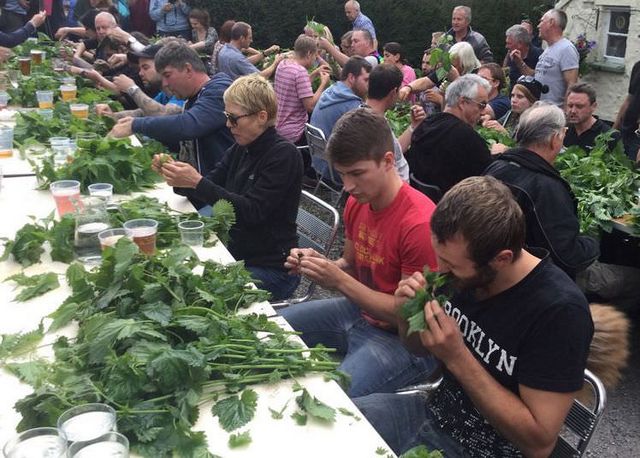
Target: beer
<point x="80" y="110"/>
<point x="25" y="65"/>
<point x="68" y="92"/>
<point x="36" y="56"/>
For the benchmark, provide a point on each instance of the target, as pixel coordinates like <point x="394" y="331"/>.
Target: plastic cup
<point x="46" y="113"/>
<point x="110" y="237"/>
<point x="79" y="110"/>
<point x="108" y="445"/>
<point x="191" y="232"/>
<point x="45" y="99"/>
<point x="144" y="233"/>
<point x="6" y="141"/>
<point x="85" y="137"/>
<point x="37" y="443"/>
<point x="4" y="100"/>
<point x="36" y="56"/>
<point x="68" y="92"/>
<point x="102" y="190"/>
<point x="66" y="194"/>
<point x="87" y="422"/>
<point x="61" y="148"/>
<point x="25" y="65"/>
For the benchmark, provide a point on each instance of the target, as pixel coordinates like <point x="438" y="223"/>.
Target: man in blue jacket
<point x="201" y="127"/>
<point x="171" y="18"/>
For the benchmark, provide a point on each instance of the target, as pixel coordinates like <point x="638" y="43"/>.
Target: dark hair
<point x="394" y="48"/>
<point x="202" y="16"/>
<point x="496" y="73"/>
<point x="141" y="37"/>
<point x="584" y="88"/>
<point x="178" y="55"/>
<point x="383" y="79"/>
<point x="483" y="211"/>
<point x="359" y="135"/>
<point x="354" y="67"/>
<point x="225" y="31"/>
<point x="239" y="30"/>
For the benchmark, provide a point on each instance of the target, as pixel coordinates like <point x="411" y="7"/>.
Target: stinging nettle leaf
<point x="234" y="412"/>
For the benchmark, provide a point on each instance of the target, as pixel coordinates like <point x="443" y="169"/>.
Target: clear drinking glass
<point x="91" y="219"/>
<point x="87" y="422"/>
<point x="109" y="445"/>
<point x="66" y="194"/>
<point x="191" y="232"/>
<point x="37" y="443"/>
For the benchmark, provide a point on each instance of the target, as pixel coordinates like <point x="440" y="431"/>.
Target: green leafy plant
<point x="399" y="118"/>
<point x="493" y="136"/>
<point x="413" y="309"/>
<point x="604" y="182"/>
<point x="421" y="451"/>
<point x="34" y="286"/>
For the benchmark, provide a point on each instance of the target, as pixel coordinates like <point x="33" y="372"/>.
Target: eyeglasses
<point x="233" y="119"/>
<point x="482" y="105"/>
<point x="526" y="79"/>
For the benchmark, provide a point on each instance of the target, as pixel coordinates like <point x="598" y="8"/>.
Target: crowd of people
<point x="513" y="338"/>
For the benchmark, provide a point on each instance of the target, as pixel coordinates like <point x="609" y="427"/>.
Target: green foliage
<point x="604" y="183"/>
<point x="34" y="286"/>
<point x="154" y="341"/>
<point x="422" y="451"/>
<point x="310" y="406"/>
<point x="492" y="136"/>
<point x="399" y="118"/>
<point x="105" y="160"/>
<point x="234" y="412"/>
<point x="239" y="440"/>
<point x="413" y="309"/>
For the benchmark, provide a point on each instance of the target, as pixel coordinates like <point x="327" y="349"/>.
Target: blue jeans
<point x="279" y="283"/>
<point x="404" y="421"/>
<point x="375" y="359"/>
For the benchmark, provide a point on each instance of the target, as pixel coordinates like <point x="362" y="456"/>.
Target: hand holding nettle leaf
<point x="420" y="290"/>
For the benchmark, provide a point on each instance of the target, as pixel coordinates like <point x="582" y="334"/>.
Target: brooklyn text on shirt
<point x="489" y="351"/>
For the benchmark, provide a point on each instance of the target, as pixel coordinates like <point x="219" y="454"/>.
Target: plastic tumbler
<point x="4" y="100"/>
<point x="102" y="190"/>
<point x="6" y="141"/>
<point x="25" y="65"/>
<point x="87" y="421"/>
<point x="111" y="445"/>
<point x="191" y="232"/>
<point x="144" y="233"/>
<point x="45" y="99"/>
<point x="68" y="92"/>
<point x="79" y="110"/>
<point x="110" y="237"/>
<point x="66" y="194"/>
<point x="37" y="443"/>
<point x="36" y="56"/>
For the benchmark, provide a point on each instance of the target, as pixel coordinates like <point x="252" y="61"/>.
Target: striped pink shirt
<point x="292" y="84"/>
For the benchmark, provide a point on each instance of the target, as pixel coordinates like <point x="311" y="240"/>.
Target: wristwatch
<point x="132" y="90"/>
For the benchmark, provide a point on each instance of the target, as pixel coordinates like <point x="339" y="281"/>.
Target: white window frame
<point x="606" y="34"/>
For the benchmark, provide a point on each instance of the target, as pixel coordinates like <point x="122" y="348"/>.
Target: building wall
<point x="590" y="17"/>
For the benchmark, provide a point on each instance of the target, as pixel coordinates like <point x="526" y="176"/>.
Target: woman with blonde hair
<point x="261" y="175"/>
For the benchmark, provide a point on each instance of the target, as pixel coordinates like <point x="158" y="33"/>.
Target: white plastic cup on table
<point x="37" y="443"/>
<point x="101" y="190"/>
<point x="66" y="194"/>
<point x="145" y="232"/>
<point x="60" y="147"/>
<point x="79" y="110"/>
<point x="45" y="99"/>
<point x="109" y="445"/>
<point x="87" y="422"/>
<point x="85" y="137"/>
<point x="46" y="113"/>
<point x="71" y="80"/>
<point x="191" y="232"/>
<point x="6" y="141"/>
<point x="109" y="237"/>
<point x="4" y="99"/>
<point x="68" y="92"/>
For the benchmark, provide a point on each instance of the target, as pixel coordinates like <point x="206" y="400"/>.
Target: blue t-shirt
<point x="167" y="99"/>
<point x="232" y="62"/>
<point x="500" y="105"/>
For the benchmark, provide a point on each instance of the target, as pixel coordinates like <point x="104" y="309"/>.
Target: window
<point x="616" y="34"/>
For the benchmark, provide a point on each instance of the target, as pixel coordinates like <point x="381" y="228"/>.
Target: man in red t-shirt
<point x="387" y="238"/>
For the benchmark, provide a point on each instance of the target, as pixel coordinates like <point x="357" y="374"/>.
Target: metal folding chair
<point x="582" y="420"/>
<point x="431" y="191"/>
<point x="317" y="144"/>
<point x="317" y="228"/>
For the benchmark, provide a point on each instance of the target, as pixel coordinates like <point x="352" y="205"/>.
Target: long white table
<point x="347" y="437"/>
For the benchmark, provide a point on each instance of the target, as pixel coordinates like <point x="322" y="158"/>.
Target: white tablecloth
<point x="270" y="438"/>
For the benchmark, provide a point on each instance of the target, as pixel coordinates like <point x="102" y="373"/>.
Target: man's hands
<point x="315" y="266"/>
<point x="271" y="50"/>
<point x="177" y="174"/>
<point x="119" y="35"/>
<point x="38" y="19"/>
<point x="442" y="337"/>
<point x="123" y="82"/>
<point x="417" y="116"/>
<point x="102" y="109"/>
<point x="167" y="7"/>
<point x="117" y="60"/>
<point x="516" y="57"/>
<point x="404" y="93"/>
<point x="123" y="128"/>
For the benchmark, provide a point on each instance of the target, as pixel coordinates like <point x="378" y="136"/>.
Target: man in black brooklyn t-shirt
<point x="513" y="339"/>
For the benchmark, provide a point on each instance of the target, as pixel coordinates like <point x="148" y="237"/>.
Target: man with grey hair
<point x="201" y="128"/>
<point x="558" y="64"/>
<point x="545" y="197"/>
<point x="445" y="148"/>
<point x="522" y="57"/>
<point x="359" y="20"/>
<point x="461" y="31"/>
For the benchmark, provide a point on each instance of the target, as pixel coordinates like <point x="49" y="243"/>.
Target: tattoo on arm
<point x="150" y="107"/>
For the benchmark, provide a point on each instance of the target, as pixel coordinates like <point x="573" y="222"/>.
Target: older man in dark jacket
<point x="546" y="199"/>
